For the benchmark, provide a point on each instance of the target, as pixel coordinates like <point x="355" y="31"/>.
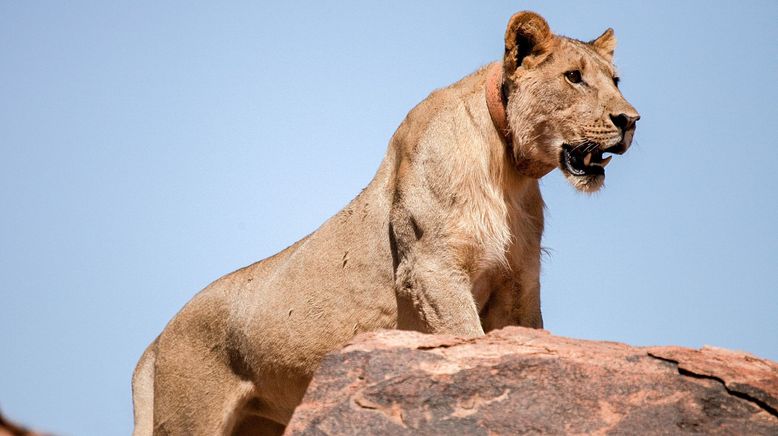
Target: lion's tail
<point x="143" y="392"/>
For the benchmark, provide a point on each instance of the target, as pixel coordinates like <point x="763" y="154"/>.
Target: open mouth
<point x="585" y="159"/>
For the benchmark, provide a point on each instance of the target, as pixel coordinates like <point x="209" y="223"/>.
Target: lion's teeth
<point x="605" y="161"/>
<point x="587" y="159"/>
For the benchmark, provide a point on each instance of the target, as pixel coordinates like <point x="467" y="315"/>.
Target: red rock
<point x="517" y="380"/>
<point x="741" y="373"/>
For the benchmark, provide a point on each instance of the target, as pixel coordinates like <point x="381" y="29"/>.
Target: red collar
<point x="496" y="104"/>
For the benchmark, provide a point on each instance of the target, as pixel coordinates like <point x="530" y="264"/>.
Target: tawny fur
<point x="444" y="239"/>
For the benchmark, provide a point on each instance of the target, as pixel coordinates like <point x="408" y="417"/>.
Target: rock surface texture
<point x="516" y="381"/>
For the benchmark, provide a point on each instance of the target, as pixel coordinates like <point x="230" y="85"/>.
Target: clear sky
<point x="146" y="148"/>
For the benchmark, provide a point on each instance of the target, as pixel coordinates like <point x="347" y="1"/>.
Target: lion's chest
<point x="519" y="256"/>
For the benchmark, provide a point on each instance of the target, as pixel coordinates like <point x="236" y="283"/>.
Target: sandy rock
<point x="516" y="381"/>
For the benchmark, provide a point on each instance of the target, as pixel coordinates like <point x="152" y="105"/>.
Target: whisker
<point x="583" y="144"/>
<point x="588" y="147"/>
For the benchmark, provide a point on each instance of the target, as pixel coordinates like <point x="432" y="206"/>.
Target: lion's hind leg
<point x="196" y="391"/>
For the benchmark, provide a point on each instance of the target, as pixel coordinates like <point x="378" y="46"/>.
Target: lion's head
<point x="563" y="102"/>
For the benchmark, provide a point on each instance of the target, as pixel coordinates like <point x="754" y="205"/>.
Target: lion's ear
<point x="527" y="36"/>
<point x="605" y="44"/>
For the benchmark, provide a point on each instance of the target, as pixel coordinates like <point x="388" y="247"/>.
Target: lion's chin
<point x="587" y="183"/>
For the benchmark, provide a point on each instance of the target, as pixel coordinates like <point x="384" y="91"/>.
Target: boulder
<point x="517" y="380"/>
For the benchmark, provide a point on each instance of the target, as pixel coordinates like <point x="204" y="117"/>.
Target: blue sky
<point x="150" y="147"/>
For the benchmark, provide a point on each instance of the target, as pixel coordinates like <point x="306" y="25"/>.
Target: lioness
<point x="444" y="239"/>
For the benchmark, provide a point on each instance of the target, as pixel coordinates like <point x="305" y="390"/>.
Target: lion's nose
<point x="624" y="121"/>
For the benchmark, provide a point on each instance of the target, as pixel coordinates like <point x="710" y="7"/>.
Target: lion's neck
<point x="498" y="191"/>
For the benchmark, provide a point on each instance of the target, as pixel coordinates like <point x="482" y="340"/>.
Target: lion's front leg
<point x="434" y="295"/>
<point x="515" y="297"/>
<point x="528" y="304"/>
<point x="513" y="302"/>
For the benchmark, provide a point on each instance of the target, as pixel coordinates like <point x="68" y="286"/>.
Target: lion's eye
<point x="573" y="76"/>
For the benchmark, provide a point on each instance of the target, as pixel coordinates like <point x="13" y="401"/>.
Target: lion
<point x="444" y="239"/>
